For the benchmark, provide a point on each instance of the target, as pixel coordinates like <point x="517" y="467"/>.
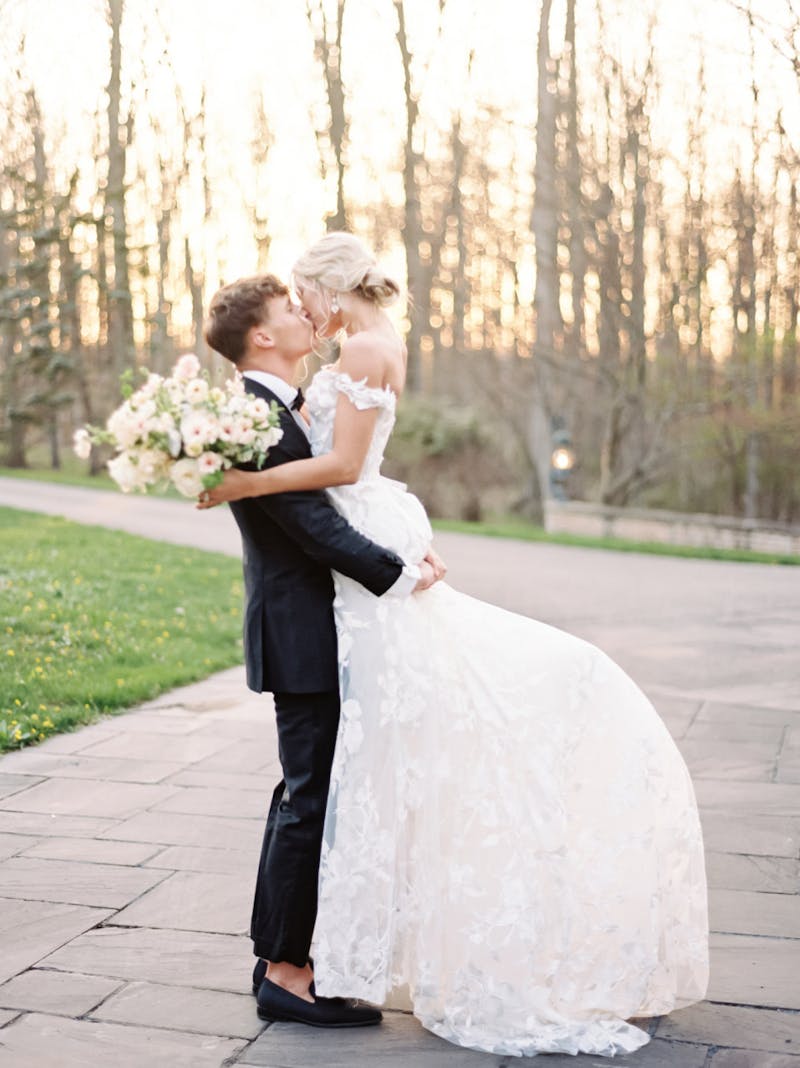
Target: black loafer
<point x="275" y="1003"/>
<point x="260" y="974"/>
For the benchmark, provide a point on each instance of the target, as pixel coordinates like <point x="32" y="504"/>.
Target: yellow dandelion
<point x="10" y="652"/>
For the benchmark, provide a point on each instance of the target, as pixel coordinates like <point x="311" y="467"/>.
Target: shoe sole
<point x="269" y="1018"/>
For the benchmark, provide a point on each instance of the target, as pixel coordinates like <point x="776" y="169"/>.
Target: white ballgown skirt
<point x="512" y="847"/>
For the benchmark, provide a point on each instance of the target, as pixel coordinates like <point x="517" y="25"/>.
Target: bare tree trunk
<point x="260" y="149"/>
<point x="748" y="282"/>
<point x="460" y="284"/>
<point x="119" y="304"/>
<point x="574" y="196"/>
<point x="792" y="294"/>
<point x="12" y="424"/>
<point x="544" y="224"/>
<point x="636" y="334"/>
<point x="194" y="283"/>
<point x="412" y="217"/>
<point x="328" y="50"/>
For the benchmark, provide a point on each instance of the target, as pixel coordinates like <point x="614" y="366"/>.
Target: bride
<point x="512" y="847"/>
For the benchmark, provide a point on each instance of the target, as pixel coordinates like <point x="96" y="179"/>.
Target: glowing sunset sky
<point x="238" y="46"/>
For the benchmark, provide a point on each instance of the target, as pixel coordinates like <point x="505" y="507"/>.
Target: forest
<point x="591" y="271"/>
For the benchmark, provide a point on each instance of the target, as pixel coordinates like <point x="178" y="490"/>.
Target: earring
<point x="334" y="306"/>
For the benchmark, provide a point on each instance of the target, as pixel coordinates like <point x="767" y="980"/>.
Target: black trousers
<point x="285" y="905"/>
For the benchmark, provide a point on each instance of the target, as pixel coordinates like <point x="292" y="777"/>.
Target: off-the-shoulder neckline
<point x="332" y="369"/>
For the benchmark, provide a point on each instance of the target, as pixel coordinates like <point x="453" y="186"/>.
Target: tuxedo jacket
<point x="291" y="542"/>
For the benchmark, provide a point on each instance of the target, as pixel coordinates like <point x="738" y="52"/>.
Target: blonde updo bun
<point x="340" y="263"/>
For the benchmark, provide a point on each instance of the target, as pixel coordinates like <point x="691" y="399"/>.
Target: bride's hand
<point x="235" y="485"/>
<point x="437" y="563"/>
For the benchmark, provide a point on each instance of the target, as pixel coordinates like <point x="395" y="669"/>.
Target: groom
<point x="291" y="543"/>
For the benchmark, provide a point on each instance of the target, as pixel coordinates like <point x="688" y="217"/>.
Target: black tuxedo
<point x="291" y="543"/>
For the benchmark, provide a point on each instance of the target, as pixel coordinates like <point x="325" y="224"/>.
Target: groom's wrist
<point x="406" y="581"/>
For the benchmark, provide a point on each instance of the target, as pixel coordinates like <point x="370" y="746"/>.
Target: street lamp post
<point x="562" y="461"/>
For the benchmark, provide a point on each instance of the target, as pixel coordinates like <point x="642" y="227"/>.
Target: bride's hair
<point x="340" y="263"/>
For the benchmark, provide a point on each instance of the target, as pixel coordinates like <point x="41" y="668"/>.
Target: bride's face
<point x="317" y="308"/>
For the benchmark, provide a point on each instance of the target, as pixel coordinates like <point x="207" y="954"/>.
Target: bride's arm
<point x="352" y="434"/>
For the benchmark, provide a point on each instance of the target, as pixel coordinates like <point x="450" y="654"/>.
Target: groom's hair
<point x="235" y="309"/>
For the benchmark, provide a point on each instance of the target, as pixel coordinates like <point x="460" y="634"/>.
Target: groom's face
<point x="288" y="328"/>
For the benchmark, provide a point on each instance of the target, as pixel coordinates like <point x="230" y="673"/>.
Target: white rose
<point x="174" y="443"/>
<point x="227" y="427"/>
<point x="82" y="443"/>
<point x="165" y="422"/>
<point x="145" y="409"/>
<point x="239" y="405"/>
<point x="153" y="465"/>
<point x="208" y="463"/>
<point x="125" y="473"/>
<point x="122" y="424"/>
<point x="235" y="385"/>
<point x="196" y="391"/>
<point x="258" y="409"/>
<point x="199" y="429"/>
<point x="186" y="477"/>
<point x="187" y="367"/>
<point x="272" y="437"/>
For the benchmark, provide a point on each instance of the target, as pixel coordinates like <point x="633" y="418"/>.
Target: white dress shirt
<point x="283" y="390"/>
<point x="286" y="393"/>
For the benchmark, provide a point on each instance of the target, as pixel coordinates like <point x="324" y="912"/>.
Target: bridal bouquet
<point x="183" y="430"/>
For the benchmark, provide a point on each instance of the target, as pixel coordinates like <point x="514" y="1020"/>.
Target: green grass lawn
<point x="75" y="472"/>
<point x="95" y="621"/>
<point x="518" y="528"/>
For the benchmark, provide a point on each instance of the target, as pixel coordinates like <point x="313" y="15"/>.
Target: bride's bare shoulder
<point x="368" y="355"/>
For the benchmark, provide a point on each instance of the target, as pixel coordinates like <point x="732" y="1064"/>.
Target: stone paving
<point x="128" y="849"/>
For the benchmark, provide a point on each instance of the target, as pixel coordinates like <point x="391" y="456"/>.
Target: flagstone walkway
<point x="128" y="849"/>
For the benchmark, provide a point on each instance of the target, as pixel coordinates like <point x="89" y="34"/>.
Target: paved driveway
<point x="127" y="849"/>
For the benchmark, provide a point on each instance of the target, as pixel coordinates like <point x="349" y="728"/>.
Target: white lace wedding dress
<point x="512" y="847"/>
